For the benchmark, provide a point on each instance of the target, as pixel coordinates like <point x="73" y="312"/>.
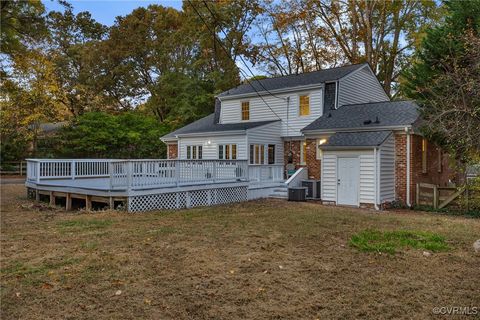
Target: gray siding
<point x="259" y="111"/>
<point x="360" y="87"/>
<point x="268" y="134"/>
<point x="387" y="170"/>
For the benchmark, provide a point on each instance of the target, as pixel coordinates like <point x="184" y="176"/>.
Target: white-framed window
<point x="304" y="105"/>
<point x="424" y="155"/>
<point x="303" y="152"/>
<point x="194" y="152"/>
<point x="245" y="110"/>
<point x="271" y="154"/>
<point x="227" y="151"/>
<point x="319" y="151"/>
<point x="257" y="154"/>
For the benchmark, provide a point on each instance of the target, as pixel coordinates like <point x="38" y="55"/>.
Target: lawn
<point x="266" y="259"/>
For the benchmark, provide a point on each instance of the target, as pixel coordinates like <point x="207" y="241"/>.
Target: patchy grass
<point x="392" y="241"/>
<point x="257" y="260"/>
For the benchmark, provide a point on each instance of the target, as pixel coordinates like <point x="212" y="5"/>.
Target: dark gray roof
<point x="207" y="124"/>
<point x="290" y="81"/>
<point x="357" y="139"/>
<point x="388" y="113"/>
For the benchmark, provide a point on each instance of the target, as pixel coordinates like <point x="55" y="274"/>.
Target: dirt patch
<point x="257" y="260"/>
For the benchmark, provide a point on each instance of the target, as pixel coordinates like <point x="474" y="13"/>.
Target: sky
<point x="105" y="11"/>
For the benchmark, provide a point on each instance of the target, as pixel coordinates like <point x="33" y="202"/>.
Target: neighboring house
<point x="337" y="123"/>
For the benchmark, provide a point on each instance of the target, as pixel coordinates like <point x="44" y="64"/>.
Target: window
<point x="303" y="152"/>
<point x="329" y="97"/>
<point x="304" y="105"/>
<point x="257" y="154"/>
<point x="424" y="155"/>
<point x="245" y="110"/>
<point x="271" y="154"/>
<point x="194" y="152"/>
<point x="227" y="151"/>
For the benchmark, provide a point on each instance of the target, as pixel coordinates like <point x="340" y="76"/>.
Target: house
<point x="336" y="125"/>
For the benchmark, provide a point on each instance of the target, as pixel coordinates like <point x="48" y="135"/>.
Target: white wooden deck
<point x="131" y="179"/>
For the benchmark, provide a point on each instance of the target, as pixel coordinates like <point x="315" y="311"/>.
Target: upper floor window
<point x="194" y="152"/>
<point x="424" y="155"/>
<point x="246" y="110"/>
<point x="227" y="151"/>
<point x="304" y="105"/>
<point x="329" y="97"/>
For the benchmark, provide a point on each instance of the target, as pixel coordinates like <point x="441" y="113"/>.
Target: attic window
<point x="245" y="110"/>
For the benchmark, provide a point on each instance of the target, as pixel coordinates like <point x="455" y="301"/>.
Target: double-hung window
<point x="227" y="151"/>
<point x="245" y="110"/>
<point x="194" y="152"/>
<point x="262" y="154"/>
<point x="304" y="105"/>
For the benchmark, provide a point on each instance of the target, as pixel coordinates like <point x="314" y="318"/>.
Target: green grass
<point x="21" y="269"/>
<point x="391" y="241"/>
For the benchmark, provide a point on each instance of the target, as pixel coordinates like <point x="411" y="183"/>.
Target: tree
<point x="102" y="135"/>
<point x="305" y="35"/>
<point x="445" y="80"/>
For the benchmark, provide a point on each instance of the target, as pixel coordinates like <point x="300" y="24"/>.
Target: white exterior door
<point x="348" y="177"/>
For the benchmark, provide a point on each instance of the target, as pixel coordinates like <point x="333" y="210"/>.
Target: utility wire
<point x="228" y="55"/>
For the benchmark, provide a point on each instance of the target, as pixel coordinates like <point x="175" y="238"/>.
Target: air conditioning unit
<point x="313" y="188"/>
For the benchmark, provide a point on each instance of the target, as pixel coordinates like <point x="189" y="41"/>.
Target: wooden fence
<point x="437" y="197"/>
<point x="14" y="168"/>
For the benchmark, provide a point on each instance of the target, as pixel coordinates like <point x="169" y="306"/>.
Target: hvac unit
<point x="313" y="188"/>
<point x="297" y="193"/>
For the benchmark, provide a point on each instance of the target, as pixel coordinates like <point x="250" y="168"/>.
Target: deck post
<point x="52" y="198"/>
<point x="37" y="195"/>
<point x="68" y="202"/>
<point x="88" y="203"/>
<point x="214" y="173"/>
<point x="38" y="172"/>
<point x="72" y="169"/>
<point x="129" y="174"/>
<point x="111" y="203"/>
<point x="177" y="172"/>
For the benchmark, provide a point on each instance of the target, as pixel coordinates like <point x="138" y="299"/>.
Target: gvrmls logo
<point x="466" y="311"/>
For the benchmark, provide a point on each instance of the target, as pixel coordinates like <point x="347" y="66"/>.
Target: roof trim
<point x="268" y="93"/>
<point x="362" y="129"/>
<point x="211" y="133"/>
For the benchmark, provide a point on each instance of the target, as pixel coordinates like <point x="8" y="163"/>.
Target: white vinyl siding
<point x="210" y="151"/>
<point x="259" y="111"/>
<point x="367" y="174"/>
<point x="360" y="87"/>
<point x="387" y="170"/>
<point x="268" y="134"/>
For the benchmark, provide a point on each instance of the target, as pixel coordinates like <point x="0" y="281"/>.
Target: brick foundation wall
<point x="172" y="151"/>
<point x="311" y="161"/>
<point x="416" y="175"/>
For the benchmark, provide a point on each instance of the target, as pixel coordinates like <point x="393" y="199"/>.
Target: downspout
<point x="408" y="166"/>
<point x="375" y="156"/>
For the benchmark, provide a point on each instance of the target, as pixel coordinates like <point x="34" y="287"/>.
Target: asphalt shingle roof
<point x="357" y="139"/>
<point x="292" y="81"/>
<point x="207" y="124"/>
<point x="388" y="113"/>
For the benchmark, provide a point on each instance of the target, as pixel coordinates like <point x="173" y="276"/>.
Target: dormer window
<point x="330" y="97"/>
<point x="304" y="105"/>
<point x="246" y="110"/>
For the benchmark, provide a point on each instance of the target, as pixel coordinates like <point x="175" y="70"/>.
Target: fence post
<point x="435" y="197"/>
<point x="21" y="168"/>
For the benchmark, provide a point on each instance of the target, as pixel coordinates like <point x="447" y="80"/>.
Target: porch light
<point x="322" y="141"/>
<point x="209" y="142"/>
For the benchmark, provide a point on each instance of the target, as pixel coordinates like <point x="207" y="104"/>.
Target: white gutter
<point x="408" y="166"/>
<point x="265" y="93"/>
<point x="334" y="130"/>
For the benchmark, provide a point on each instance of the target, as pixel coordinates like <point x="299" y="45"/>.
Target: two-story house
<point x="338" y="125"/>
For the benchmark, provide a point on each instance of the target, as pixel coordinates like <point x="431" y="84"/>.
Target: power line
<point x="228" y="55"/>
<point x="241" y="58"/>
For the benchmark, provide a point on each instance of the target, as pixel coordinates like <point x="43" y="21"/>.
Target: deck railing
<point x="138" y="173"/>
<point x="270" y="172"/>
